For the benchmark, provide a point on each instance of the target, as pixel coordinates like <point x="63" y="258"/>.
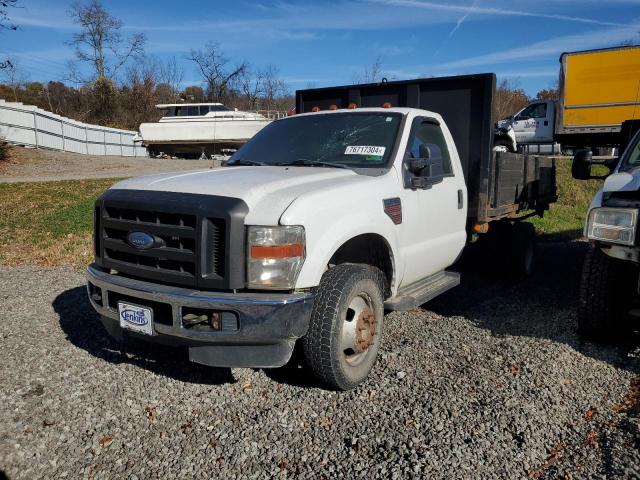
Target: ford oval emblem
<point x="140" y="240"/>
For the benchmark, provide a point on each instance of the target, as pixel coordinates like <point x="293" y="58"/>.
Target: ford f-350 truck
<point x="359" y="203"/>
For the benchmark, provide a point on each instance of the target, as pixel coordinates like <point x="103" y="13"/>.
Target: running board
<point x="414" y="295"/>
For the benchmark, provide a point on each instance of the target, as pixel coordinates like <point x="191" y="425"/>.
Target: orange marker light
<point x="277" y="251"/>
<point x="315" y="109"/>
<point x="386" y="105"/>
<point x="352" y="106"/>
<point x="481" y="227"/>
<point x="333" y="106"/>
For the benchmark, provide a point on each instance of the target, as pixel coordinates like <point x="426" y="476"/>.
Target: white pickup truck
<point x="315" y="227"/>
<point x="609" y="303"/>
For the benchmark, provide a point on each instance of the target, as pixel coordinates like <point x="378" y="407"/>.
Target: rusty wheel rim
<point x="358" y="329"/>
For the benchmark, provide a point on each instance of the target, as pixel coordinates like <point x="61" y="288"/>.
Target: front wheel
<point x="345" y="330"/>
<point x="607" y="291"/>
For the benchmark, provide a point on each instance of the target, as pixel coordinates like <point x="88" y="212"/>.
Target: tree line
<point x="113" y="82"/>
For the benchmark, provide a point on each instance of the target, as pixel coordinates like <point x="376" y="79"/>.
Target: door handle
<point x="460" y="199"/>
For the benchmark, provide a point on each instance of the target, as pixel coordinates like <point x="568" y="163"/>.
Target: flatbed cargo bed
<point x="499" y="184"/>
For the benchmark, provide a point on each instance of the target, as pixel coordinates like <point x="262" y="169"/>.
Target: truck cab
<point x="535" y="122"/>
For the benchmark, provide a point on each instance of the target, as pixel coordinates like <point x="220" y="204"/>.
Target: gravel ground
<point x="489" y="381"/>
<point x="37" y="165"/>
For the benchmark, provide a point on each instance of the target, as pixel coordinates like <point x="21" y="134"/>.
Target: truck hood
<point x="628" y="181"/>
<point x="267" y="191"/>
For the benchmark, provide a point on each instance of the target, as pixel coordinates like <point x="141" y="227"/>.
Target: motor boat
<point x="194" y="130"/>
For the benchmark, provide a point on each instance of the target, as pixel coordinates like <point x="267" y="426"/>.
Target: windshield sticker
<point x="388" y="119"/>
<point x="364" y="150"/>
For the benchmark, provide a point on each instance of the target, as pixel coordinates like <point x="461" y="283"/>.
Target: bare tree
<point x="274" y="86"/>
<point x="5" y="20"/>
<point x="99" y="42"/>
<point x="171" y="74"/>
<point x="7" y="24"/>
<point x="13" y="76"/>
<point x="252" y="86"/>
<point x="215" y="71"/>
<point x="370" y="73"/>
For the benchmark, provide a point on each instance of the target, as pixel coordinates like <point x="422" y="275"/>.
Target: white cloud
<point x="545" y="48"/>
<point x="491" y="11"/>
<point x="461" y="20"/>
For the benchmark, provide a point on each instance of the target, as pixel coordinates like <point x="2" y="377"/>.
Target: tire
<point x="522" y="251"/>
<point x="510" y="250"/>
<point x="607" y="291"/>
<point x="339" y="354"/>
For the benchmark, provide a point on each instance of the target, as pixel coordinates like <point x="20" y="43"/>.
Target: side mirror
<point x="421" y="166"/>
<point x="427" y="170"/>
<point x="582" y="163"/>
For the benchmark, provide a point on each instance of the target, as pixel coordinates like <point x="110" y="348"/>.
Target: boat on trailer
<point x="191" y="130"/>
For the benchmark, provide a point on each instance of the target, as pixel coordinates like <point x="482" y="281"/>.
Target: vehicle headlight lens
<point x="274" y="256"/>
<point x="614" y="225"/>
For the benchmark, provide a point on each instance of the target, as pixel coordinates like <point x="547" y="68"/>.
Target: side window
<point x="204" y="109"/>
<point x="192" y="111"/>
<point x="540" y="111"/>
<point x="430" y="135"/>
<point x="535" y="110"/>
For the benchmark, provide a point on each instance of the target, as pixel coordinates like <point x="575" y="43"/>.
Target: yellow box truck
<point x="599" y="91"/>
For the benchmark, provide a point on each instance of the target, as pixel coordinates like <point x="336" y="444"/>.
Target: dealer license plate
<point x="135" y="318"/>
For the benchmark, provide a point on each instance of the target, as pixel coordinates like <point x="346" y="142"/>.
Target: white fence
<point x="31" y="126"/>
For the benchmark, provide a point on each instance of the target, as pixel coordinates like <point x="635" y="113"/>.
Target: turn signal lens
<point x="386" y="105"/>
<point x="277" y="251"/>
<point x="315" y="109"/>
<point x="333" y="106"/>
<point x="352" y="106"/>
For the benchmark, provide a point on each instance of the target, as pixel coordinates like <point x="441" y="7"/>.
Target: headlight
<point x="614" y="225"/>
<point x="274" y="256"/>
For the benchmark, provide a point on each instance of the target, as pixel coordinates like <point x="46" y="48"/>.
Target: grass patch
<point x="565" y="218"/>
<point x="48" y="223"/>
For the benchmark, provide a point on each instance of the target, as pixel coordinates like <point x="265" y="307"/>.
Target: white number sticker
<point x="364" y="150"/>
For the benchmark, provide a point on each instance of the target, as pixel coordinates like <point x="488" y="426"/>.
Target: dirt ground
<point x="36" y="165"/>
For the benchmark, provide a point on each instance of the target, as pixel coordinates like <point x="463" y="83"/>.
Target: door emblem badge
<point x="393" y="208"/>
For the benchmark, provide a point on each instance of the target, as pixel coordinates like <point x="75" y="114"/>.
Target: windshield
<point x="343" y="139"/>
<point x="632" y="157"/>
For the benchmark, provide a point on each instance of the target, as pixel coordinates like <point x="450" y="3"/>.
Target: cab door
<point x="524" y="125"/>
<point x="434" y="203"/>
<point x="544" y="122"/>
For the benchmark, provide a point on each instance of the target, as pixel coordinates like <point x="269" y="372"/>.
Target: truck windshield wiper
<point x="248" y="163"/>
<point x="314" y="163"/>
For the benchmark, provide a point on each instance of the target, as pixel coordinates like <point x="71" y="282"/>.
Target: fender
<point x="340" y="215"/>
<point x="323" y="243"/>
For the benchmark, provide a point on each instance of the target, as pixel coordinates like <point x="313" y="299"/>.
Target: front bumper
<point x="267" y="326"/>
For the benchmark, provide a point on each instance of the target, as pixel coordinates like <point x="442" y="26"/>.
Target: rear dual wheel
<point x="345" y="330"/>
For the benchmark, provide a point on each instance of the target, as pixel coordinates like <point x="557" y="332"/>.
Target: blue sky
<point x="330" y="42"/>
